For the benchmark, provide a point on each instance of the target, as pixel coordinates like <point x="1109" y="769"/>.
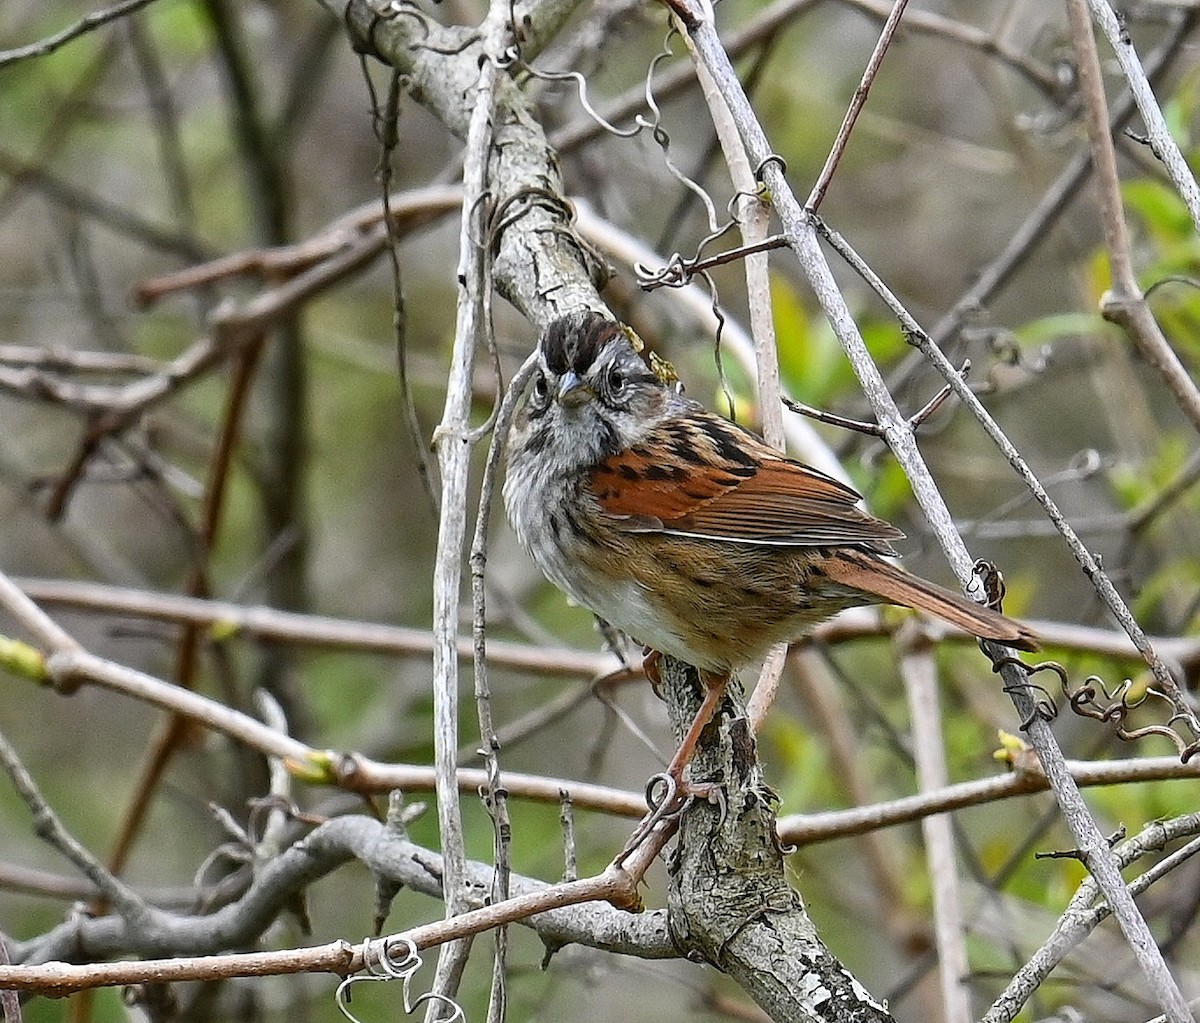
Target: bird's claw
<point x="667" y="798"/>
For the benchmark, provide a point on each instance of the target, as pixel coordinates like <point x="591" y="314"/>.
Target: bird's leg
<point x="714" y="690"/>
<point x="651" y="659"/>
<point x="674" y="792"/>
<point x="714" y="693"/>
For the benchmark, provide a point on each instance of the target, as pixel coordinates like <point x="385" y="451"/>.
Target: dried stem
<point x="1162" y="142"/>
<point x="494" y="794"/>
<point x="1082" y="917"/>
<point x="753" y="216"/>
<point x="393" y="856"/>
<point x="87" y="23"/>
<point x="857" y="102"/>
<point x="72" y="666"/>
<point x="918" y="668"/>
<point x="1125" y="304"/>
<point x="453" y="441"/>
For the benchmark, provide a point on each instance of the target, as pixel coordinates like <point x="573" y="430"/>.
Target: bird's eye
<point x="615" y="379"/>
<point x="540" y="387"/>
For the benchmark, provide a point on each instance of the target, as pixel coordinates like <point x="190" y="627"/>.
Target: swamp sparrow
<point x="685" y="530"/>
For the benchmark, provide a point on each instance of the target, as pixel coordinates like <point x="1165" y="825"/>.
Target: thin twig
<point x="364" y="226"/>
<point x="388" y="130"/>
<point x="87" y="23"/>
<point x="121" y="220"/>
<point x="1091" y="567"/>
<point x="807" y="829"/>
<point x="753" y="216"/>
<point x="1082" y="917"/>
<point x="857" y="101"/>
<point x="833" y="419"/>
<point x="1040" y="76"/>
<point x="1125" y="304"/>
<point x="494" y="795"/>
<point x="1035" y="228"/>
<point x="614" y="886"/>
<point x="453" y="442"/>
<point x="227" y="619"/>
<point x="172" y="732"/>
<point x="1162" y="142"/>
<point x="48" y="826"/>
<point x="360" y="774"/>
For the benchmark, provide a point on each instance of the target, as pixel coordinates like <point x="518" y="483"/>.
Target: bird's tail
<point x="894" y="585"/>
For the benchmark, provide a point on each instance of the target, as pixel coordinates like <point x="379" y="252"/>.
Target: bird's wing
<point x="699" y="475"/>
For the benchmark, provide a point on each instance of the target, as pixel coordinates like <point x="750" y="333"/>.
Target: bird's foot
<point x="676" y="794"/>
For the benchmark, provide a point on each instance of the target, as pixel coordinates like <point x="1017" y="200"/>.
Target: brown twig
<point x="857" y="101"/>
<point x="614" y="885"/>
<point x="228" y="618"/>
<point x="1124" y="303"/>
<point x="172" y="732"/>
<point x="10" y="1004"/>
<point x="356" y="773"/>
<point x="87" y="23"/>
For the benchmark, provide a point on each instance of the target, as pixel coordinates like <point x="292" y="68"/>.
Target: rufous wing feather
<point x="872" y="575"/>
<point x="719" y="481"/>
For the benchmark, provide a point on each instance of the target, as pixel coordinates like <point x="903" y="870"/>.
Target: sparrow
<point x="685" y="530"/>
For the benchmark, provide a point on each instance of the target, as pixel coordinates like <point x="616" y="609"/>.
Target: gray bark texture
<point x="540" y="265"/>
<point x="729" y="901"/>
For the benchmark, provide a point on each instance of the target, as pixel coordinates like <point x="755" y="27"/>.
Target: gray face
<point x="592" y="394"/>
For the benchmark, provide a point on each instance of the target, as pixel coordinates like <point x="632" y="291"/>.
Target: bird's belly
<point x="713" y="604"/>
<point x="717" y="605"/>
<point x="639" y="610"/>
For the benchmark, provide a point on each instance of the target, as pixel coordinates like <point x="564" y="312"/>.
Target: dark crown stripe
<point x="576" y="340"/>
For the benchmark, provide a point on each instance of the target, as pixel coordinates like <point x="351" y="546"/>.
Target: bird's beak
<point x="572" y="391"/>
